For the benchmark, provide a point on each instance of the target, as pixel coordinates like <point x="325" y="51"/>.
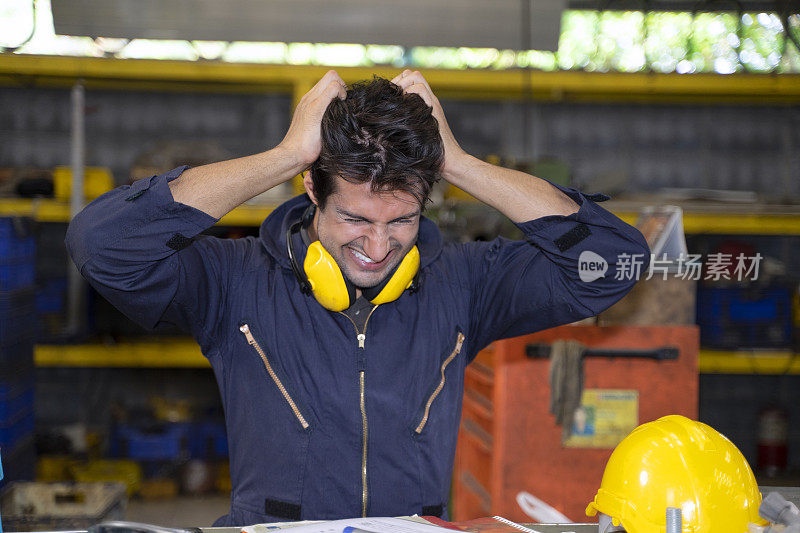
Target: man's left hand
<point x="519" y="196"/>
<point x="414" y="82"/>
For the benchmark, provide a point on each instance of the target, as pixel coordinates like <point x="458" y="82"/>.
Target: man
<point x="347" y="409"/>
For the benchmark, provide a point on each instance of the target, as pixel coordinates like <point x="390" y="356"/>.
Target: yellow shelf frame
<point x="153" y="353"/>
<point x="47" y="210"/>
<point x="40" y="209"/>
<point x="145" y="74"/>
<point x="748" y="362"/>
<point x="732" y="223"/>
<point x="185" y="353"/>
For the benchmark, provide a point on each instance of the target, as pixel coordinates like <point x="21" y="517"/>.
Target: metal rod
<point x="674" y="520"/>
<point x="542" y="350"/>
<point x="77" y="155"/>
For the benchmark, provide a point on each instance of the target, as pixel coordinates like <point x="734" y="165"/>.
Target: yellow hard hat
<point x="678" y="462"/>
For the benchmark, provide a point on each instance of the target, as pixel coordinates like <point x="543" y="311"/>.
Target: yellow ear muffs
<point x="401" y="279"/>
<point x="322" y="278"/>
<point x="326" y="281"/>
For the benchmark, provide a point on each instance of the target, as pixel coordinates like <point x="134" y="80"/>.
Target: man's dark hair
<point x="382" y="136"/>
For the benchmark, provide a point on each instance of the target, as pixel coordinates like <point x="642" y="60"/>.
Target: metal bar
<point x="760" y="6"/>
<point x="468" y="84"/>
<point x="77" y="148"/>
<point x="542" y="351"/>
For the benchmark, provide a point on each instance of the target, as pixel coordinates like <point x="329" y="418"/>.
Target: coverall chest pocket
<point x="435" y="429"/>
<point x="274" y="375"/>
<point x="270" y="464"/>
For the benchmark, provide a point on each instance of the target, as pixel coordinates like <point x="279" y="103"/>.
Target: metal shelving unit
<point x="185" y="353"/>
<point x="54" y="71"/>
<point x="751" y="220"/>
<point x="574" y="86"/>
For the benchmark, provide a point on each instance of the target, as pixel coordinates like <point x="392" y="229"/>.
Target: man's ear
<point x="308" y="183"/>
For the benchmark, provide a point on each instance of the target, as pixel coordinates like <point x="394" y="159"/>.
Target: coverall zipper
<point x="245" y="329"/>
<point x="453" y="354"/>
<point x="361" y="337"/>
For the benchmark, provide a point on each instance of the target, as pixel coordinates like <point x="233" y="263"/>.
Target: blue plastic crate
<point x="15" y="431"/>
<point x="17" y="241"/>
<point x="209" y="441"/>
<point x="17" y="275"/>
<point x="742" y="317"/>
<point x="12" y="301"/>
<point x="19" y="461"/>
<point x="23" y="371"/>
<point x="15" y="403"/>
<point x="51" y="296"/>
<point x="164" y="442"/>
<point x="16" y="363"/>
<point x="17" y="315"/>
<point x="13" y="387"/>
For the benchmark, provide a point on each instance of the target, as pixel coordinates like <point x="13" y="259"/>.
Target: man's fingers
<point x="422" y="91"/>
<point x="323" y="82"/>
<point x="406" y="72"/>
<point x="419" y="78"/>
<point x="328" y="93"/>
<point x="333" y="88"/>
<point x="408" y="78"/>
<point x="329" y="77"/>
<point x="415" y="82"/>
<point x="336" y="88"/>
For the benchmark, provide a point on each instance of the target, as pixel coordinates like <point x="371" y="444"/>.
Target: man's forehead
<point x="358" y="198"/>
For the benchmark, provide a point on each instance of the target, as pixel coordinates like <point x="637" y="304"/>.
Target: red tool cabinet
<point x="509" y="442"/>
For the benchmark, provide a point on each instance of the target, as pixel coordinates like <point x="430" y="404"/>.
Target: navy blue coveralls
<point x="323" y="424"/>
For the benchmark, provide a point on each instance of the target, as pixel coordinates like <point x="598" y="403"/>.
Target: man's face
<point x="368" y="234"/>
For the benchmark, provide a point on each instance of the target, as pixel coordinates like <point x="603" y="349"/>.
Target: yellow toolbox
<point x="123" y="471"/>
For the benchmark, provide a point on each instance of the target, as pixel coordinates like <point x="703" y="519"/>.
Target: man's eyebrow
<point x="348" y="214"/>
<point x="409" y="215"/>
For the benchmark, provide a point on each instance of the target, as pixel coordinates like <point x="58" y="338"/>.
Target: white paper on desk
<point x="272" y="526"/>
<point x="376" y="525"/>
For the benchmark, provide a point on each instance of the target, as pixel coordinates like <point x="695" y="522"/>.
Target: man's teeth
<point x="362" y="257"/>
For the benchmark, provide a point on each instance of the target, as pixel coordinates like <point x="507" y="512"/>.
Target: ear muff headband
<point x="322" y="277"/>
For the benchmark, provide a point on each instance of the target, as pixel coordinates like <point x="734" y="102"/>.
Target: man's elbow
<point x="78" y="240"/>
<point x="600" y="289"/>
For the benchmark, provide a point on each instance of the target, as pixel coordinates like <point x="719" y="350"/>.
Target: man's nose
<point x="377" y="243"/>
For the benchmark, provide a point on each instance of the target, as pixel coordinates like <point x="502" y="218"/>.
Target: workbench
<point x="541" y="528"/>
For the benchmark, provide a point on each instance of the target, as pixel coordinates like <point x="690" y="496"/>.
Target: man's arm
<point x="139" y="244"/>
<point x="219" y="187"/>
<point x="537" y="283"/>
<point x="519" y="196"/>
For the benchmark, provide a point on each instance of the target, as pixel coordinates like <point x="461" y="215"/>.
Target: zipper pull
<point x="361" y="338"/>
<point x="244" y="328"/>
<point x="459" y="342"/>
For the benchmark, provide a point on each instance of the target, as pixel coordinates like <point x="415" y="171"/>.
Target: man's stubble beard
<point x="345" y="267"/>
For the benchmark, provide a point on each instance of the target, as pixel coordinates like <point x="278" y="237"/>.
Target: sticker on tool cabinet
<point x="604" y="418"/>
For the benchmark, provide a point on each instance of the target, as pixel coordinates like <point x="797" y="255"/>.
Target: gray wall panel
<point x="474" y="23"/>
<point x="608" y="147"/>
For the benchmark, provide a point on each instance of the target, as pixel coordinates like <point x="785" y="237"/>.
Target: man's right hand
<point x="304" y="138"/>
<point x="219" y="187"/>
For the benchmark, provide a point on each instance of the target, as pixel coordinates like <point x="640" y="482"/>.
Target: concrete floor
<point x="184" y="511"/>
